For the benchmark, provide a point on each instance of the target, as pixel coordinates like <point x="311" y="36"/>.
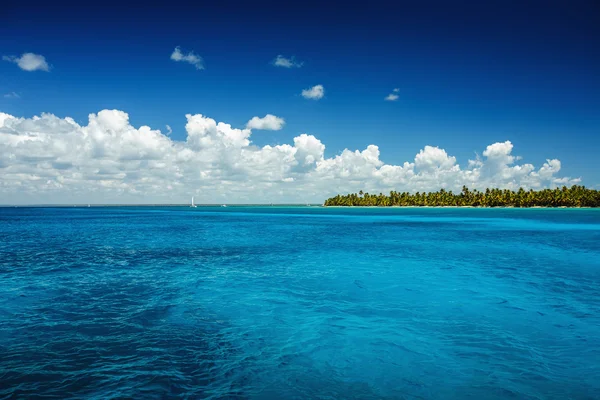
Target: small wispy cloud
<point x="270" y="122"/>
<point x="314" y="93"/>
<point x="29" y="62"/>
<point x="281" y="61"/>
<point x="12" y="95"/>
<point x="169" y="130"/>
<point x="190" y="58"/>
<point x="392" y="96"/>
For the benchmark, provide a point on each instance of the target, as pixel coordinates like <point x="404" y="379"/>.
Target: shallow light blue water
<point x="305" y="302"/>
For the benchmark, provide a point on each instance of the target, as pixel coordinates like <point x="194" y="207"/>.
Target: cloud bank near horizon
<point x="48" y="159"/>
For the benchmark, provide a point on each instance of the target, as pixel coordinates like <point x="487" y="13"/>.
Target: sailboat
<point x="193" y="205"/>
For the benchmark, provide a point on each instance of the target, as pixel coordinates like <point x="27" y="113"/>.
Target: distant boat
<point x="193" y="205"/>
<point x="89" y="205"/>
<point x="223" y="205"/>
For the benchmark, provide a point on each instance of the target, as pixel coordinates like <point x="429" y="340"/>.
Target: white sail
<point x="193" y="205"/>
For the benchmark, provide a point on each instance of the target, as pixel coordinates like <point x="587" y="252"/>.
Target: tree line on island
<point x="574" y="196"/>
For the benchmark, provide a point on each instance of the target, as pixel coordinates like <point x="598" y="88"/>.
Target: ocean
<point x="299" y="303"/>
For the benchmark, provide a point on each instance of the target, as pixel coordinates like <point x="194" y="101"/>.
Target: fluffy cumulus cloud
<point x="49" y="159"/>
<point x="269" y="123"/>
<point x="314" y="93"/>
<point x="430" y="158"/>
<point x="29" y="62"/>
<point x="190" y="58"/>
<point x="281" y="61"/>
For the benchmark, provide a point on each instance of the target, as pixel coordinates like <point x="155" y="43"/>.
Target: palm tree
<point x="575" y="196"/>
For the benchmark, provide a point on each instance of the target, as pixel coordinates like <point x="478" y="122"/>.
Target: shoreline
<point x="474" y="207"/>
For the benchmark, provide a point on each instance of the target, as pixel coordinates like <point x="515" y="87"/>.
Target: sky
<point x="237" y="102"/>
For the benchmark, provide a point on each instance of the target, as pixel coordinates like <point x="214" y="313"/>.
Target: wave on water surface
<point x="310" y="302"/>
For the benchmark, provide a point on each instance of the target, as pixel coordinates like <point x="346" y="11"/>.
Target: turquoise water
<point x="304" y="302"/>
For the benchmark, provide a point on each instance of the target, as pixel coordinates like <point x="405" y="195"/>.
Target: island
<point x="574" y="196"/>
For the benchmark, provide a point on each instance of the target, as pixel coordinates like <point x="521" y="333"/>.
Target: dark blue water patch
<point x="280" y="302"/>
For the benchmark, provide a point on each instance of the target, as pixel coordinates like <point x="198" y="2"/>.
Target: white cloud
<point x="281" y="61"/>
<point x="434" y="158"/>
<point x="190" y="58"/>
<point x="314" y="93"/>
<point x="12" y="95"/>
<point x="309" y="150"/>
<point x="169" y="130"/>
<point x="47" y="159"/>
<point x="269" y="122"/>
<point x="29" y="62"/>
<point x="549" y="168"/>
<point x="392" y="96"/>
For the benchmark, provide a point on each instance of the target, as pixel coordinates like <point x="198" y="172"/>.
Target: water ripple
<point x="296" y="303"/>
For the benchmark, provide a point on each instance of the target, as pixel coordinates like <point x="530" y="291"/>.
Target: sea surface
<point x="299" y="303"/>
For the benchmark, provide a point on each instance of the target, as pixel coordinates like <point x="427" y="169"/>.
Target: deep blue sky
<point x="469" y="73"/>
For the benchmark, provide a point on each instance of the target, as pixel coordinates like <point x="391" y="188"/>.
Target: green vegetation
<point x="575" y="196"/>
